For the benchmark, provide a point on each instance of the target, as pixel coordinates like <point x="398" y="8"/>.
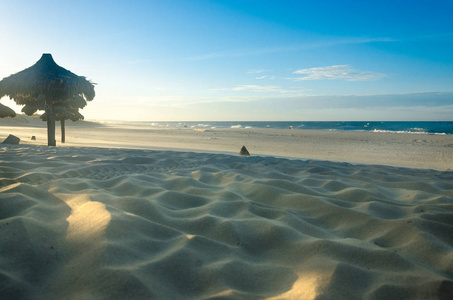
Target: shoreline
<point x="413" y="127"/>
<point x="422" y="151"/>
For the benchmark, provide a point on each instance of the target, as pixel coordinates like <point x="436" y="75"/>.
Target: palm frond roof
<point x="5" y="111"/>
<point x="45" y="78"/>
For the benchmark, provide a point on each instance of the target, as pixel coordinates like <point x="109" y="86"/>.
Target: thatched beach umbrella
<point x="70" y="111"/>
<point x="44" y="86"/>
<point x="5" y="111"/>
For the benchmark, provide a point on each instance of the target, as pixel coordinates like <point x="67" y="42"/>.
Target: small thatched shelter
<point x="5" y="111"/>
<point x="69" y="112"/>
<point x="46" y="85"/>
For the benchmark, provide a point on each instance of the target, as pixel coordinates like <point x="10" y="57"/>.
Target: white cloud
<point x="257" y="88"/>
<point x="337" y="72"/>
<point x="270" y="89"/>
<point x="265" y="77"/>
<point x="260" y="75"/>
<point x="332" y="42"/>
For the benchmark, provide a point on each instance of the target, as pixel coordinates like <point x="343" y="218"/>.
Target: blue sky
<point x="243" y="60"/>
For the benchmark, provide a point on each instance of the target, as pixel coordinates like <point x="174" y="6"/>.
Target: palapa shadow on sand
<point x="115" y="224"/>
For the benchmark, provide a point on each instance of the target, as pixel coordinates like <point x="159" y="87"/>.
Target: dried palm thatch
<point x="64" y="110"/>
<point x="65" y="115"/>
<point x="43" y="86"/>
<point x="5" y="111"/>
<point x="70" y="111"/>
<point x="48" y="79"/>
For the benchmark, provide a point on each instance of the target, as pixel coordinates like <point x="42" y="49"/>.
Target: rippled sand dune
<point x="96" y="223"/>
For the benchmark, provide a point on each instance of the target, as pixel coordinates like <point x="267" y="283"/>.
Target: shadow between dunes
<point x="92" y="223"/>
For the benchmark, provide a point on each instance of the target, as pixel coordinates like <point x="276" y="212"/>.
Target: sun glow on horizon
<point x="177" y="60"/>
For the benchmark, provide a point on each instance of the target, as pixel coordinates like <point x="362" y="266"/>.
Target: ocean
<point x="414" y="127"/>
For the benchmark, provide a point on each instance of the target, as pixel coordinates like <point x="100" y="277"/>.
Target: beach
<point x="426" y="151"/>
<point x="134" y="212"/>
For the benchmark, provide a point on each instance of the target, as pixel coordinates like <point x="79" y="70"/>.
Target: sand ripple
<point x="88" y="223"/>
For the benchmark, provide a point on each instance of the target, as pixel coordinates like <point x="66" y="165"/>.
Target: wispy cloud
<point x="257" y="88"/>
<point x="269" y="50"/>
<point x="252" y="89"/>
<point x="260" y="72"/>
<point x="337" y="72"/>
<point x="269" y="89"/>
<point x="265" y="77"/>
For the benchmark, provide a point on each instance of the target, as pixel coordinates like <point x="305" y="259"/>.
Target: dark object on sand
<point x="44" y="86"/>
<point x="33" y="138"/>
<point x="5" y="111"/>
<point x="70" y="111"/>
<point x="12" y="140"/>
<point x="244" y="151"/>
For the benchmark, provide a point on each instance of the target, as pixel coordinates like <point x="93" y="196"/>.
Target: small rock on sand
<point x="244" y="151"/>
<point x="11" y="139"/>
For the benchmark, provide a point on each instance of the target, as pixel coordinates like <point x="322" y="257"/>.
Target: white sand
<point x="100" y="223"/>
<point x="392" y="149"/>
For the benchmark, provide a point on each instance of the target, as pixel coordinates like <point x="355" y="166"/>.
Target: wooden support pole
<point x="51" y="125"/>
<point x="63" y="132"/>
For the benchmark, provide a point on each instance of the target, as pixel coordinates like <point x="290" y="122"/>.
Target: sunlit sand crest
<point x="84" y="247"/>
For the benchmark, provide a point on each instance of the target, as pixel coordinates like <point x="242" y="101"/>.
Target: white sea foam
<point x="408" y="132"/>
